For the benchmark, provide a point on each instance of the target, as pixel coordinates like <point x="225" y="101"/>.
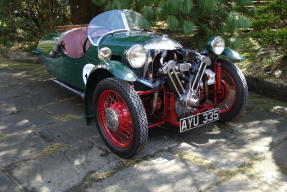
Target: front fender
<point x="100" y="72"/>
<point x="121" y="71"/>
<point x="117" y="69"/>
<point x="227" y="53"/>
<point x="231" y="54"/>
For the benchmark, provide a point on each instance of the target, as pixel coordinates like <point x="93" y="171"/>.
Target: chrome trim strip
<point x="91" y="40"/>
<point x="101" y="37"/>
<point x="125" y="21"/>
<point x="81" y="94"/>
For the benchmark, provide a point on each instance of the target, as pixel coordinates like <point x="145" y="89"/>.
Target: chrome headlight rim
<point x="130" y="53"/>
<point x="217" y="45"/>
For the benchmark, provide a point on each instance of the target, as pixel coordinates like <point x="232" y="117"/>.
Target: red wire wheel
<point x="227" y="98"/>
<point x="120" y="117"/>
<point x="234" y="92"/>
<point x="115" y="118"/>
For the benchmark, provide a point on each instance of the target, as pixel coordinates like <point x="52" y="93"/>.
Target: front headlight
<point x="218" y="45"/>
<point x="137" y="56"/>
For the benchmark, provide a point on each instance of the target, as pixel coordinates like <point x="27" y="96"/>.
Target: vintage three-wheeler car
<point x="133" y="79"/>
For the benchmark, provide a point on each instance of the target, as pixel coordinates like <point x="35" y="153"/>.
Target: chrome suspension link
<point x="205" y="61"/>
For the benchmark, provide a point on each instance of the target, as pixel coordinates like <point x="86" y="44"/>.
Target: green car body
<point x="69" y="70"/>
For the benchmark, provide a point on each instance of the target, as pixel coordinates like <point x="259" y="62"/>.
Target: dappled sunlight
<point x="11" y="109"/>
<point x="20" y="74"/>
<point x="3" y="127"/>
<point x="80" y="160"/>
<point x="166" y="172"/>
<point x="37" y="180"/>
<point x="280" y="110"/>
<point x="45" y="189"/>
<point x="46" y="145"/>
<point x="22" y="123"/>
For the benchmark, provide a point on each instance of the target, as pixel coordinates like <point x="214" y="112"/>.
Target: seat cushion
<point x="73" y="41"/>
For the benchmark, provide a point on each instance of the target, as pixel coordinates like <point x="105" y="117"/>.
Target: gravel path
<point x="45" y="146"/>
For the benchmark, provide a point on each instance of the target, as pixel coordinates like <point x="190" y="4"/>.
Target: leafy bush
<point x="26" y="20"/>
<point x="202" y="18"/>
<point x="270" y="25"/>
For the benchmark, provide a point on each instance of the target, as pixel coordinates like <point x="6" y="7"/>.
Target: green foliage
<point x="149" y="13"/>
<point x="173" y="23"/>
<point x="120" y="4"/>
<point x="185" y="7"/>
<point x="274" y="38"/>
<point x="98" y="2"/>
<point x="236" y="21"/>
<point x="188" y="27"/>
<point x="270" y="25"/>
<point x="26" y="20"/>
<point x="234" y="42"/>
<point x="202" y="18"/>
<point x="243" y="2"/>
<point x="207" y="7"/>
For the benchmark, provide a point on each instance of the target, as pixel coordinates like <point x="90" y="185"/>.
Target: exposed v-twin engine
<point x="187" y="91"/>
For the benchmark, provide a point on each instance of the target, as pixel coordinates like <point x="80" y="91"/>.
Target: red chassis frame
<point x="169" y="101"/>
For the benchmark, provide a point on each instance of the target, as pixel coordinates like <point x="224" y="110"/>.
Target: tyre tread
<point x="136" y="107"/>
<point x="242" y="101"/>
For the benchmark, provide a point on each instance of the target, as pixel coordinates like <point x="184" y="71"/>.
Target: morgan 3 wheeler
<point x="132" y="79"/>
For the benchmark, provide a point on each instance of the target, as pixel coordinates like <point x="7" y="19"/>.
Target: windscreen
<point x="115" y="20"/>
<point x="135" y="20"/>
<point x="104" y="23"/>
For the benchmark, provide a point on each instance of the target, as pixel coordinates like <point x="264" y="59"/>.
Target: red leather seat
<point x="73" y="41"/>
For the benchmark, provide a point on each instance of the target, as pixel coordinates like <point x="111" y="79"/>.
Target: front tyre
<point x="234" y="91"/>
<point x="120" y="117"/>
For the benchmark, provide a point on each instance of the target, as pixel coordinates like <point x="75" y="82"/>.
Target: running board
<point x="73" y="90"/>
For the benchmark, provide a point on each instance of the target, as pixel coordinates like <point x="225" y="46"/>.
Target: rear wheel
<point x="234" y="92"/>
<point x="121" y="118"/>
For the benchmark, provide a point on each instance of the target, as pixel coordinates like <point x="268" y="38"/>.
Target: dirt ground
<point x="45" y="146"/>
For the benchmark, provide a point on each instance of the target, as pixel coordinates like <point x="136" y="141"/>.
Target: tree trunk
<point x="82" y="11"/>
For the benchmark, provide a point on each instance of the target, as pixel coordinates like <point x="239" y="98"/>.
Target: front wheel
<point x="120" y="117"/>
<point x="234" y="91"/>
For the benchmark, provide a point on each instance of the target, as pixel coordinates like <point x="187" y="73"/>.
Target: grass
<point x="68" y="117"/>
<point x="2" y="135"/>
<point x="96" y="177"/>
<point x="50" y="149"/>
<point x="13" y="65"/>
<point x="195" y="158"/>
<point x="26" y="46"/>
<point x="267" y="104"/>
<point x="46" y="151"/>
<point x="261" y="62"/>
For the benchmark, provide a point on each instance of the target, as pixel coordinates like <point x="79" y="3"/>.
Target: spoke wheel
<point x="115" y="118"/>
<point x="120" y="117"/>
<point x="232" y="98"/>
<point x="227" y="98"/>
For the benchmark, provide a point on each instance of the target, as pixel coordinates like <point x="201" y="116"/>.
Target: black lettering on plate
<point x="198" y="120"/>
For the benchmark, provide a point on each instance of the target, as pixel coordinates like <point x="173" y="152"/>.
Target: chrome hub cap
<point x="112" y="120"/>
